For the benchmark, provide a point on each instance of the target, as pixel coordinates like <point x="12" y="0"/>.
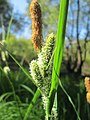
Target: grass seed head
<point x="38" y="68"/>
<point x="35" y="12"/>
<point x="88" y="97"/>
<point x="87" y="85"/>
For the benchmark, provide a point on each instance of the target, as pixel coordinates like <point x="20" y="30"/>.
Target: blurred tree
<point x="6" y="12"/>
<point x="78" y="28"/>
<point x="21" y="48"/>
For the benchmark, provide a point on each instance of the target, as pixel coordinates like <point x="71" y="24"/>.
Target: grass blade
<point x="28" y="89"/>
<point x="70" y="100"/>
<point x="36" y="96"/>
<point x="8" y="31"/>
<point x="58" y="52"/>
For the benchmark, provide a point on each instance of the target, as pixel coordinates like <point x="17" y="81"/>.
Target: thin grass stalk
<point x="88" y="111"/>
<point x="58" y="52"/>
<point x="1" y="83"/>
<point x="3" y="29"/>
<point x="36" y="96"/>
<point x="27" y="88"/>
<point x="70" y="100"/>
<point x="8" y="31"/>
<point x="78" y="98"/>
<point x="10" y="82"/>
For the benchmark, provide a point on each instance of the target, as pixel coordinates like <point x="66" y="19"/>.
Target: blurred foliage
<point x="12" y="82"/>
<point x="21" y="48"/>
<point x="12" y="111"/>
<point x="74" y="85"/>
<point x="14" y="98"/>
<point x="72" y="51"/>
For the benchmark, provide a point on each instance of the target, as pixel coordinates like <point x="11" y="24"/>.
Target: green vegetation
<point x="49" y="84"/>
<point x="20" y="47"/>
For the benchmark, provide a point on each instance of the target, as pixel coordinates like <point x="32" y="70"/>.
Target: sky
<point x="20" y="7"/>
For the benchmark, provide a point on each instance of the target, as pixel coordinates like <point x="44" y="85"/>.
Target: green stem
<point x="36" y="96"/>
<point x="70" y="100"/>
<point x="8" y="31"/>
<point x="58" y="52"/>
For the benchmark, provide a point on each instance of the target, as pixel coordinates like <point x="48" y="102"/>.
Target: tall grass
<point x="36" y="96"/>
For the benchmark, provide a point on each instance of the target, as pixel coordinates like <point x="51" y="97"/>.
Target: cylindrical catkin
<point x="87" y="85"/>
<point x="35" y="12"/>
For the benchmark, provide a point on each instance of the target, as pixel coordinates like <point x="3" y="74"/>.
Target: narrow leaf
<point x="58" y="52"/>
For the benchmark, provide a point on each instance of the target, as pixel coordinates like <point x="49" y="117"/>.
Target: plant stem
<point x="58" y="52"/>
<point x="36" y="96"/>
<point x="70" y="100"/>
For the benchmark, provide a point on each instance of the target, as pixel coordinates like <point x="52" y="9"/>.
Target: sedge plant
<point x="58" y="59"/>
<point x="38" y="68"/>
<point x="47" y="80"/>
<point x="58" y="53"/>
<point x="41" y="75"/>
<point x="44" y="73"/>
